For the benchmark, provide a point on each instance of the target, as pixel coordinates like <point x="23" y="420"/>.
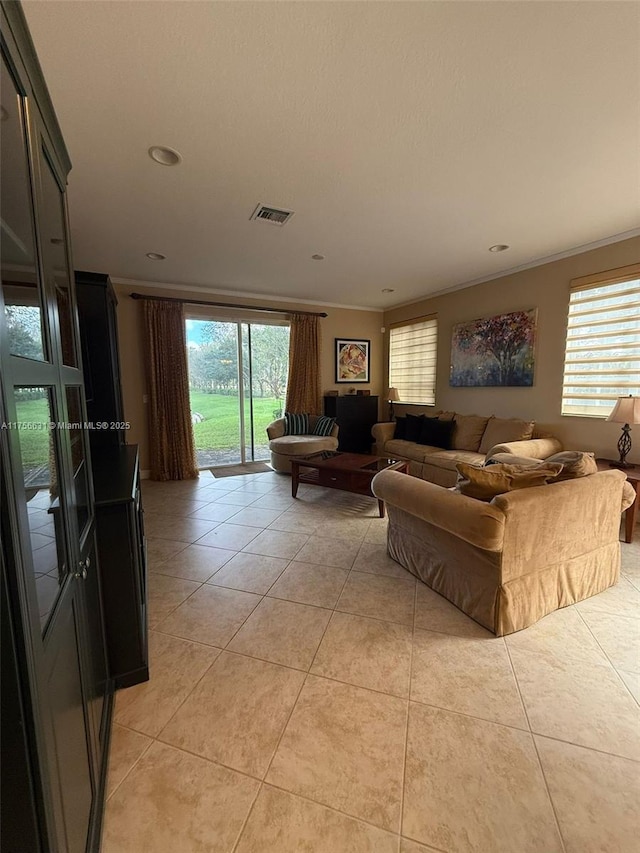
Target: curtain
<point x="172" y="449"/>
<point x="303" y="386"/>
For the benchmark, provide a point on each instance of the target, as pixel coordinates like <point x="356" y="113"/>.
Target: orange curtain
<point x="303" y="387"/>
<point x="171" y="442"/>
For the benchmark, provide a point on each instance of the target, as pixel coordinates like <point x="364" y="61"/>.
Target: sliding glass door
<point x="237" y="383"/>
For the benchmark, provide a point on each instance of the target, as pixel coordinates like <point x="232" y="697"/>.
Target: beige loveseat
<point x="509" y="562"/>
<point x="474" y="439"/>
<point x="283" y="447"/>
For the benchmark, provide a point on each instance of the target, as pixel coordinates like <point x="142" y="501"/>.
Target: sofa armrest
<point x="382" y="433"/>
<point x="276" y="429"/>
<point x="474" y="521"/>
<point x="533" y="448"/>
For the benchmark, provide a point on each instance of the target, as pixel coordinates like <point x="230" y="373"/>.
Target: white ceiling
<point x="407" y="138"/>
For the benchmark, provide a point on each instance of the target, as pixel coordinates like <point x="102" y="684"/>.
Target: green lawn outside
<point x="34" y="442"/>
<point x="219" y="430"/>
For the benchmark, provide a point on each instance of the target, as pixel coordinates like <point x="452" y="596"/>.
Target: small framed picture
<point x="352" y="360"/>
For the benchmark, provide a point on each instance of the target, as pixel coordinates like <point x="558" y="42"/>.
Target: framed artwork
<point x="352" y="360"/>
<point x="494" y="351"/>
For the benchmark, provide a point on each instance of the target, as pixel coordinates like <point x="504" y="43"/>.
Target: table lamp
<point x="626" y="411"/>
<point x="392" y="397"/>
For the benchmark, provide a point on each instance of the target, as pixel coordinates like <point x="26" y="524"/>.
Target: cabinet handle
<point x="81" y="571"/>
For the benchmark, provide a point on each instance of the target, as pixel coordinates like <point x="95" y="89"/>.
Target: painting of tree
<point x="495" y="350"/>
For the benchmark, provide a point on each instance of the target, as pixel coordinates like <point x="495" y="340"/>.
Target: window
<point x="412" y="360"/>
<point x="602" y="360"/>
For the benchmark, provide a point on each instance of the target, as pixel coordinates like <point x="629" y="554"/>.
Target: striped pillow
<point x="324" y="425"/>
<point x="296" y="424"/>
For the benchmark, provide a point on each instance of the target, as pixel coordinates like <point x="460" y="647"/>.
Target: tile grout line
<point x="537" y="752"/>
<point x="406" y="730"/>
<point x="604" y="652"/>
<point x="135" y="763"/>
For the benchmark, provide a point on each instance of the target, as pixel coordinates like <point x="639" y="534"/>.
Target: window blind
<point x="412" y="360"/>
<point x="602" y="358"/>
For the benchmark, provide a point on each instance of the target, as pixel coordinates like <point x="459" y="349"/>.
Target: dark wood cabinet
<point x="355" y="416"/>
<point x="121" y="546"/>
<point x="53" y="631"/>
<point x="100" y="357"/>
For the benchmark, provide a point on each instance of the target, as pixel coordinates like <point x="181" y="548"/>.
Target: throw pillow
<point x="324" y="425"/>
<point x="436" y="433"/>
<point x="414" y="427"/>
<point x="574" y="464"/>
<point x="485" y="483"/>
<point x="501" y="430"/>
<point x="296" y="424"/>
<point x="401" y="428"/>
<point x="468" y="432"/>
<point x="512" y="459"/>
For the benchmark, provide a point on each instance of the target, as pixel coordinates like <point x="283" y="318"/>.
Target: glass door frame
<point x="212" y="316"/>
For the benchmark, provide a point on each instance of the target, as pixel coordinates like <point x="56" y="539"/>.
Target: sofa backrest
<point x="546" y="524"/>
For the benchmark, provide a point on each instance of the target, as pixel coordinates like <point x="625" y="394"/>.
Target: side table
<point x="633" y="477"/>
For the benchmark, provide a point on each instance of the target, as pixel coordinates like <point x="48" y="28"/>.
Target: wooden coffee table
<point x="633" y="477"/>
<point x="350" y="472"/>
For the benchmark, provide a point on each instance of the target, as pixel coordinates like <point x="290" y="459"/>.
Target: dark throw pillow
<point x="324" y="425"/>
<point x="401" y="428"/>
<point x="296" y="424"/>
<point x="414" y="427"/>
<point x="436" y="433"/>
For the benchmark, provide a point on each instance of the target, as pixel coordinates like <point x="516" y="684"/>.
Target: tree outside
<point x="214" y="388"/>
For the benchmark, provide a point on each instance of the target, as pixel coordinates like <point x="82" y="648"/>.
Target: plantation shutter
<point x="412" y="360"/>
<point x="602" y="359"/>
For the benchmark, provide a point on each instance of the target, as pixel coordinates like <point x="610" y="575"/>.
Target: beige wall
<point x="340" y="322"/>
<point x="547" y="289"/>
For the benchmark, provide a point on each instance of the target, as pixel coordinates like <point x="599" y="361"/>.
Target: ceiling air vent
<point x="271" y="214"/>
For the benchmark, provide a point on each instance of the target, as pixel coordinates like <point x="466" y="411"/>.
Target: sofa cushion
<point x="574" y="464"/>
<point x="295" y="424"/>
<point x="501" y="430"/>
<point x="468" y="432"/>
<point x="302" y="445"/>
<point x="484" y="484"/>
<point x="324" y="425"/>
<point x="449" y="458"/>
<point x="413" y="428"/>
<point x="436" y="433"/>
<point x="397" y="447"/>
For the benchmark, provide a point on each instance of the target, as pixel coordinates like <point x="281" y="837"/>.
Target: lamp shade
<point x="626" y="411"/>
<point x="392" y="395"/>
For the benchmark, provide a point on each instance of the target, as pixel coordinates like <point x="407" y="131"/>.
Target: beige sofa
<point x="509" y="562"/>
<point x="474" y="439"/>
<point x="283" y="447"/>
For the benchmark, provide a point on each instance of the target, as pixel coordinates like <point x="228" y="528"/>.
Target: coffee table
<point x="350" y="472"/>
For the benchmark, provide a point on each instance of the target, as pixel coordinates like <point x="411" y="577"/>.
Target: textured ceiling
<point x="407" y="138"/>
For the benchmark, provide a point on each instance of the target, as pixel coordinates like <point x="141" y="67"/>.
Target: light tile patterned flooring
<point x="308" y="694"/>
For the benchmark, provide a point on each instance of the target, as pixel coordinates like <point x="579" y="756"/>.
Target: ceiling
<point x="407" y="137"/>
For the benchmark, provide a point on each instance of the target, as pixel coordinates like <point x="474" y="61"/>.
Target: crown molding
<point x="238" y="294"/>
<point x="549" y="259"/>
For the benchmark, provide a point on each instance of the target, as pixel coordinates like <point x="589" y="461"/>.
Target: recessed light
<point x="165" y="156"/>
<point x="156" y="256"/>
<point x="317" y="257"/>
<point x="499" y="247"/>
<point x="388" y="290"/>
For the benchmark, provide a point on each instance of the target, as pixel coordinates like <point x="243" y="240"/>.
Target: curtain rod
<point x="225" y="305"/>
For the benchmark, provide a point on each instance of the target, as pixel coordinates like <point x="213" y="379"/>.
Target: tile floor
<point x="309" y="696"/>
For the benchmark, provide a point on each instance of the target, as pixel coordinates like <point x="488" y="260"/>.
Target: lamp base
<point x="624" y="466"/>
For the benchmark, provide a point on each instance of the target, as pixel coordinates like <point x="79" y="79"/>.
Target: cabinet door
<point x="49" y="506"/>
